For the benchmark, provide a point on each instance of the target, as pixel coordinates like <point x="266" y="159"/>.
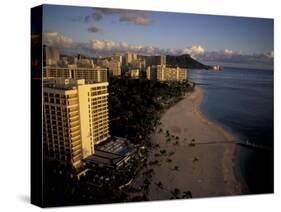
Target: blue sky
<point x="223" y="35"/>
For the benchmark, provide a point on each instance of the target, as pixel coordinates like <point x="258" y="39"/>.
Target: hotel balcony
<point x="74" y="134"/>
<point x="76" y="143"/>
<point x="74" y="115"/>
<point x="76" y="158"/>
<point x="73" y="109"/>
<point x="74" y="124"/>
<point x="76" y="147"/>
<point x="77" y="152"/>
<point x="74" y="129"/>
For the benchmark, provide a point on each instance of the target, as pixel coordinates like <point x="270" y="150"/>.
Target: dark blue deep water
<point x="241" y="100"/>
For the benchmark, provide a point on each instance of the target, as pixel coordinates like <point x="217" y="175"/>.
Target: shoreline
<point x="232" y="153"/>
<point x="203" y="170"/>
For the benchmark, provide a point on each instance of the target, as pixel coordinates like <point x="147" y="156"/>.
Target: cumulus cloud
<point x="94" y="29"/>
<point x="193" y="51"/>
<point x="97" y="47"/>
<point x="57" y="39"/>
<point x="109" y="46"/>
<point x="228" y="56"/>
<point x="103" y="46"/>
<point x="228" y="52"/>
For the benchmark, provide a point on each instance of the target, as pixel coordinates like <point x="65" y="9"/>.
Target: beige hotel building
<point x="171" y="74"/>
<point x="75" y="118"/>
<point x="163" y="73"/>
<point x="96" y="74"/>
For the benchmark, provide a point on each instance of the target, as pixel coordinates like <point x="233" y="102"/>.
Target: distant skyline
<point x="243" y="41"/>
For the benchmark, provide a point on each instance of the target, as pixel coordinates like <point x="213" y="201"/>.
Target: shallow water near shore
<point x="241" y="100"/>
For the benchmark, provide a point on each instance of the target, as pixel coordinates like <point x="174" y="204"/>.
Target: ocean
<point x="241" y="101"/>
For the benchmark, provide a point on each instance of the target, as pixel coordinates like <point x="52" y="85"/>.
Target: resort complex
<point x="76" y="119"/>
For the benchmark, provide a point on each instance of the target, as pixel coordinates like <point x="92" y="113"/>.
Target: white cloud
<point x="112" y="46"/>
<point x="57" y="39"/>
<point x="173" y="51"/>
<point x="108" y="47"/>
<point x="232" y="57"/>
<point x="193" y="51"/>
<point x="228" y="52"/>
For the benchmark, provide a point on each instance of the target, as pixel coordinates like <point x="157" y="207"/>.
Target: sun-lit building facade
<point x="95" y="74"/>
<point x="75" y="119"/>
<point x="163" y="73"/>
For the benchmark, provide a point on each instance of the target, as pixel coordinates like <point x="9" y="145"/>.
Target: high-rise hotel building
<point x="163" y="73"/>
<point x="75" y="119"/>
<point x="171" y="74"/>
<point x="96" y="74"/>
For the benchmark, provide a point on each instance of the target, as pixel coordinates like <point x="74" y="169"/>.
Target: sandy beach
<point x="205" y="170"/>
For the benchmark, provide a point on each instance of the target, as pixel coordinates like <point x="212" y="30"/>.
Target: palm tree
<point x="163" y="151"/>
<point x="171" y="153"/>
<point x="176" y="192"/>
<point x="187" y="194"/>
<point x="169" y="160"/>
<point x="195" y="159"/>
<point x="159" y="184"/>
<point x="176" y="143"/>
<point x="167" y="133"/>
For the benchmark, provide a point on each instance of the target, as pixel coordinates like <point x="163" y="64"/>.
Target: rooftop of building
<point x="69" y="83"/>
<point x="104" y="158"/>
<point x="117" y="145"/>
<point x="74" y="67"/>
<point x="111" y="152"/>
